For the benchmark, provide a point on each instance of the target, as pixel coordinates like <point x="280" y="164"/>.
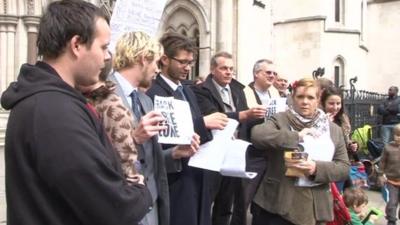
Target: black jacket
<point x="60" y="167"/>
<point x="189" y="193"/>
<point x="390" y="110"/>
<point x="210" y="101"/>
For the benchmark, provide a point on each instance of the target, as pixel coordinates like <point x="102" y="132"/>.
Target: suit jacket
<point x="210" y="101"/>
<point x="159" y="158"/>
<point x="188" y="189"/>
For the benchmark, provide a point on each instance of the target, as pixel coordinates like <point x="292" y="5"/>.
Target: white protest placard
<point x="178" y="119"/>
<point x="223" y="154"/>
<point x="275" y="105"/>
<point x="135" y="15"/>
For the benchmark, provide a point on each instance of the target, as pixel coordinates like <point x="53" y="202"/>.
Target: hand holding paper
<point x="149" y="125"/>
<point x="186" y="151"/>
<point x="223" y="154"/>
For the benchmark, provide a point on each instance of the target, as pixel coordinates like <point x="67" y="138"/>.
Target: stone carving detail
<point x="31" y="7"/>
<point x="107" y="6"/>
<point x="4" y="3"/>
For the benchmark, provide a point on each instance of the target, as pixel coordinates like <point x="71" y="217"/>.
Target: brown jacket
<point x="277" y="192"/>
<point x="390" y="161"/>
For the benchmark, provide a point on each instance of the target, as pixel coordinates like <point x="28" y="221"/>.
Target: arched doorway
<point x="188" y="18"/>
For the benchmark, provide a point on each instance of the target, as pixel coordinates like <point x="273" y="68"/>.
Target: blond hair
<point x="307" y="83"/>
<point x="132" y="47"/>
<point x="396" y="128"/>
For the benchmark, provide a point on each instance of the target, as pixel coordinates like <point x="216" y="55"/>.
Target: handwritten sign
<point x="135" y="15"/>
<point x="275" y="105"/>
<point x="178" y="120"/>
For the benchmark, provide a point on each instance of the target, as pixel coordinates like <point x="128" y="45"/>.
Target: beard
<point x="145" y="83"/>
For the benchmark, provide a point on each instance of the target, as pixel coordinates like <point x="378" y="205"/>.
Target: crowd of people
<point x="81" y="143"/>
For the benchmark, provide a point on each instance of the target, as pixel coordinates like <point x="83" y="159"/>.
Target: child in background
<point x="355" y="200"/>
<point x="390" y="166"/>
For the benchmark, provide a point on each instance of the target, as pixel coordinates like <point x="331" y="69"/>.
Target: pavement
<point x="375" y="199"/>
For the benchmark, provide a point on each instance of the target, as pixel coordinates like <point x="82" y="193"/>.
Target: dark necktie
<point x="135" y="104"/>
<point x="179" y="94"/>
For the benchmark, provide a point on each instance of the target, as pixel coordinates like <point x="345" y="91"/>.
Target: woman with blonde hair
<point x="305" y="152"/>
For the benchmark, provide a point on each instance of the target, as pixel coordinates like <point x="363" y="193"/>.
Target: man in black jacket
<point x="221" y="93"/>
<point x="389" y="110"/>
<point x="60" y="167"/>
<point x="188" y="188"/>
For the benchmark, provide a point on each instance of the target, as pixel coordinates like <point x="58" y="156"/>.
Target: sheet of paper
<point x="223" y="154"/>
<point x="178" y="119"/>
<point x="319" y="149"/>
<point x="135" y="15"/>
<point x="276" y="105"/>
<point x="211" y="155"/>
<point x="234" y="163"/>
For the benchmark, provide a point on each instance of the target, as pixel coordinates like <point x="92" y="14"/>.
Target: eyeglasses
<point x="184" y="62"/>
<point x="269" y="72"/>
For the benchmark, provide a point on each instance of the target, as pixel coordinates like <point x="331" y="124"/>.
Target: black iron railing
<point x="362" y="106"/>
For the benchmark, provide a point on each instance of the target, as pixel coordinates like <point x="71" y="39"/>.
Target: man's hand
<point x="139" y="179"/>
<point x="216" y="121"/>
<point x="148" y="126"/>
<point x="186" y="151"/>
<point x="257" y="112"/>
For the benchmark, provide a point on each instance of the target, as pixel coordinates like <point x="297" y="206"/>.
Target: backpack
<point x="341" y="215"/>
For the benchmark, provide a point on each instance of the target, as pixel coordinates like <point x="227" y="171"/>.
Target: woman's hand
<point x="353" y="146"/>
<point x="309" y="167"/>
<point x="330" y="116"/>
<point x="307" y="131"/>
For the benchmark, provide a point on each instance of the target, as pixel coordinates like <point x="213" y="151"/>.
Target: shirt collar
<point x="127" y="87"/>
<point x="170" y="83"/>
<point x="219" y="87"/>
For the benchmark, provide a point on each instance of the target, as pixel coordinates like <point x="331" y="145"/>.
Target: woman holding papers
<point x="305" y="152"/>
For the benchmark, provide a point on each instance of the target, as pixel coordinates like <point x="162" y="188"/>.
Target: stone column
<point x="32" y="23"/>
<point x="8" y="25"/>
<point x="224" y="25"/>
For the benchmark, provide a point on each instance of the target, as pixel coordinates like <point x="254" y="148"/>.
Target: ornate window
<point x="338" y="71"/>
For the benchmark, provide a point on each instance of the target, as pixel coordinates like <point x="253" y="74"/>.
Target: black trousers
<point x="223" y="190"/>
<point x="263" y="217"/>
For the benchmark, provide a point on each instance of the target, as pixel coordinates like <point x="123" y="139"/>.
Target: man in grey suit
<point x="135" y="63"/>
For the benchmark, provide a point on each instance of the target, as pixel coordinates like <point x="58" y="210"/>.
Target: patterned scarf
<point x="320" y="121"/>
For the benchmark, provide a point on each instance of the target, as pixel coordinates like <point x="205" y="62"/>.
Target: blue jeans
<point x="387" y="133"/>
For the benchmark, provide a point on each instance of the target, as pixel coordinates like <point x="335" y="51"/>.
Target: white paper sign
<point x="275" y="105"/>
<point x="178" y="119"/>
<point x="223" y="154"/>
<point x="319" y="149"/>
<point x="135" y="15"/>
